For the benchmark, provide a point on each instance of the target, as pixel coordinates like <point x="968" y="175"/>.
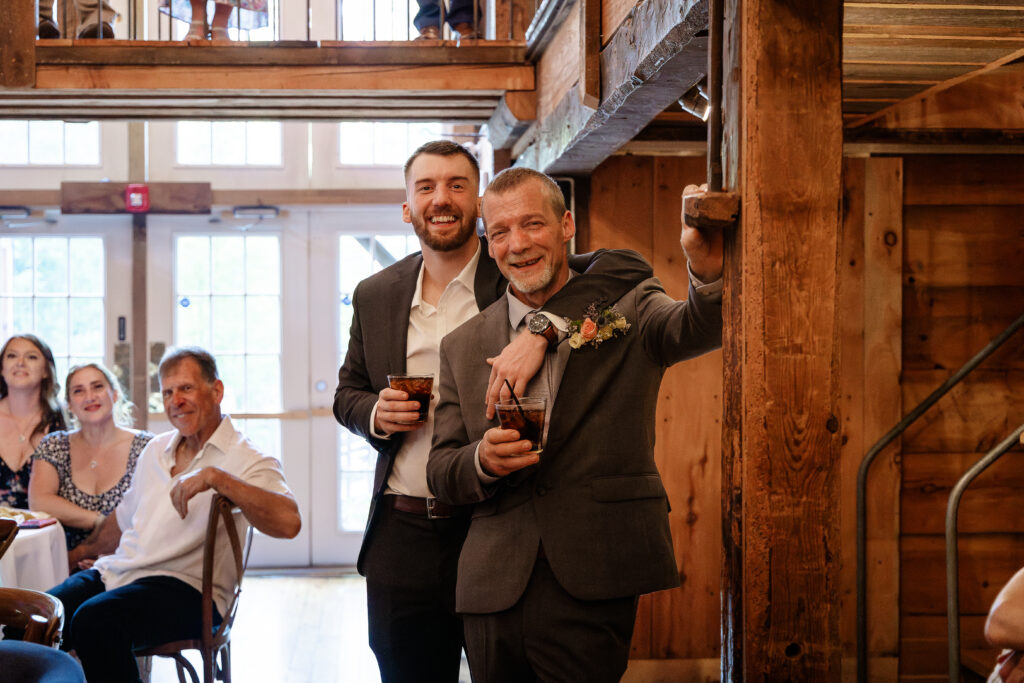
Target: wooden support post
<point x="140" y="343"/>
<point x="18" y="43"/>
<point x="783" y="155"/>
<point x="590" y="53"/>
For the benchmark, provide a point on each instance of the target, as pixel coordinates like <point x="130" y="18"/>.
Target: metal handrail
<point x="952" y="556"/>
<point x="862" y="481"/>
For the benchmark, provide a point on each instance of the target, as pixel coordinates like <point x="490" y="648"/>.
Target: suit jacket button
<point x="541" y="491"/>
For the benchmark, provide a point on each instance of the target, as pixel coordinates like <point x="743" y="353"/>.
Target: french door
<point x="271" y="298"/>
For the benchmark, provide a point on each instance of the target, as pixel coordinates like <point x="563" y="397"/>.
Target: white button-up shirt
<point x="155" y="541"/>
<point x="428" y="325"/>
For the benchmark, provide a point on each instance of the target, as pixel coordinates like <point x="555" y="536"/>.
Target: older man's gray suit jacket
<point x="595" y="500"/>
<point x="379" y="335"/>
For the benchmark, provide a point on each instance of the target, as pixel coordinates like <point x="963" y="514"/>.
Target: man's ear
<point x="568" y="226"/>
<point x="218" y="390"/>
<point x="406" y="214"/>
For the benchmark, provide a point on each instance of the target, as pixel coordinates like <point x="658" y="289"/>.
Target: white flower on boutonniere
<point x="597" y="325"/>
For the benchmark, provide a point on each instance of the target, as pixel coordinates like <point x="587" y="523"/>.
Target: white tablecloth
<point x="38" y="559"/>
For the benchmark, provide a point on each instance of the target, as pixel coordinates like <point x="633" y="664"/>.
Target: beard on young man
<point x="444" y="236"/>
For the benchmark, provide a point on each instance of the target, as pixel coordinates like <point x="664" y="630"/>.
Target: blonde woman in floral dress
<point x="252" y="14"/>
<point x="80" y="476"/>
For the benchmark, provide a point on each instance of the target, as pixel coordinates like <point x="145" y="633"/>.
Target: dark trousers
<point x="410" y="568"/>
<point x="551" y="636"/>
<point x="103" y="627"/>
<point x="456" y="12"/>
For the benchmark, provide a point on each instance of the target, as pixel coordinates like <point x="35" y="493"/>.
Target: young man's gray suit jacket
<point x="595" y="501"/>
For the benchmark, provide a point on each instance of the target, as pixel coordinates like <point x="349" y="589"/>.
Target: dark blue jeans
<point x="103" y="627"/>
<point x="458" y="12"/>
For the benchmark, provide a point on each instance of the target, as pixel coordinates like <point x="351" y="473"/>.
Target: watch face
<point x="539" y="323"/>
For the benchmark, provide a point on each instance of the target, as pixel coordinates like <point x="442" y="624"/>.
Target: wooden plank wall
<point x="870" y="270"/>
<point x="634" y="202"/>
<point x="963" y="283"/>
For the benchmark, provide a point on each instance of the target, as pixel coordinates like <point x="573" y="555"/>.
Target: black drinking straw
<point x="518" y="405"/>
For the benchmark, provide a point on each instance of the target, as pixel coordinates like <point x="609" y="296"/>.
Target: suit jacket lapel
<point x="396" y="313"/>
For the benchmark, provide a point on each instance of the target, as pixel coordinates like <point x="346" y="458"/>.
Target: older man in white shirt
<point x="148" y="591"/>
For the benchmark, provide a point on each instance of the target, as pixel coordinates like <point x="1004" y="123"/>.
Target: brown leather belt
<point x="431" y="508"/>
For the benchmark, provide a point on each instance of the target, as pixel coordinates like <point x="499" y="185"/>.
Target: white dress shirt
<point x="155" y="541"/>
<point x="428" y="325"/>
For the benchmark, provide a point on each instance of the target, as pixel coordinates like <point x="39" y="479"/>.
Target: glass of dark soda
<point x="418" y="387"/>
<point x="526" y="417"/>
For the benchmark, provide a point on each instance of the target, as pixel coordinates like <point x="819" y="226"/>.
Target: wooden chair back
<point x="8" y="530"/>
<point x="38" y="614"/>
<point x="215" y="643"/>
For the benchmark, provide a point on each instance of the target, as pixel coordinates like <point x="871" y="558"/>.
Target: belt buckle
<point x="431" y="502"/>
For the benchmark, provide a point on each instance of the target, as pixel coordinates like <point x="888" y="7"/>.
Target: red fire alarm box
<point x="136" y="198"/>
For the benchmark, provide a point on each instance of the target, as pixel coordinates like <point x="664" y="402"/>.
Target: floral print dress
<point x="56" y="450"/>
<point x="14" y="485"/>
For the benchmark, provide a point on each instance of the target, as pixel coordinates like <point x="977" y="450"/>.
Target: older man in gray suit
<point x="562" y="544"/>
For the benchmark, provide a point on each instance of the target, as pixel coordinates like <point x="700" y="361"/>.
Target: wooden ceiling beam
<point x="992" y="102"/>
<point x="378" y="78"/>
<point x="285" y="53"/>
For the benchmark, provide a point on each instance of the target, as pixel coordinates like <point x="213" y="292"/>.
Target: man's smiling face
<point x="441" y="200"/>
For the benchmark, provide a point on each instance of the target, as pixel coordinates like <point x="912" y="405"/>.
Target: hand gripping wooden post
<point x="711" y="210"/>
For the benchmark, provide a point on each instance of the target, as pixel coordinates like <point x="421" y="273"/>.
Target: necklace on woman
<point x="22" y="436"/>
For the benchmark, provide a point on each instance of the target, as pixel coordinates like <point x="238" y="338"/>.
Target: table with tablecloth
<point x="38" y="559"/>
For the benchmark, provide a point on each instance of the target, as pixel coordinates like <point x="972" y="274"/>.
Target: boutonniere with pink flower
<point x="598" y="325"/>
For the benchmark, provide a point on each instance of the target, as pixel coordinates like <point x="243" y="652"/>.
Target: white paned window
<point x="49" y="143"/>
<point x="358" y="258"/>
<point x="379" y="143"/>
<point x="228" y="296"/>
<point x="228" y="143"/>
<point x="54" y="287"/>
<point x="379" y="20"/>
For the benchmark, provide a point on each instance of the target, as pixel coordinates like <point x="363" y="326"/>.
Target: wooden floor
<point x="299" y="630"/>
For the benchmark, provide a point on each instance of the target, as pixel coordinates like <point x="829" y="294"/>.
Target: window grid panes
<point x="54" y="287"/>
<point x="359" y="256"/>
<point x="49" y="143"/>
<point x="379" y="20"/>
<point x="229" y="143"/>
<point x="382" y="143"/>
<point x="228" y="301"/>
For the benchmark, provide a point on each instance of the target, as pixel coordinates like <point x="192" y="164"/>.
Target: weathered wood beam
<point x="781" y="422"/>
<point x="590" y="53"/>
<point x="238" y="197"/>
<point x="17" y="43"/>
<point x="550" y="14"/>
<point x="513" y="115"/>
<point x="285" y="53"/>
<point x="950" y="18"/>
<point x="253" y="77"/>
<point x="654" y="57"/>
<point x="957" y="50"/>
<point x="174" y="198"/>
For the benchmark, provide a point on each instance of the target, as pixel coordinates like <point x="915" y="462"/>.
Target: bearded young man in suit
<point x="411" y="546"/>
<point x="562" y="544"/>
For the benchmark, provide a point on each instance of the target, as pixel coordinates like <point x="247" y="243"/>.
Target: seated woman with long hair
<point x="80" y="476"/>
<point x="28" y="411"/>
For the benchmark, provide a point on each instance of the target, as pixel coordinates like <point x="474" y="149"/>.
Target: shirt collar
<point x="465" y="278"/>
<point x="221" y="439"/>
<point x="517" y="310"/>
